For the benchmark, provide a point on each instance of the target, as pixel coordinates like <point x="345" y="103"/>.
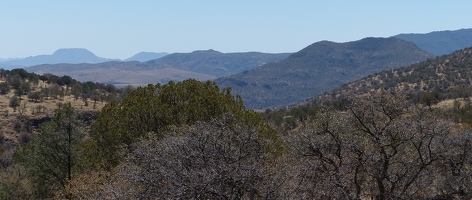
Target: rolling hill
<point x="118" y="73"/>
<point x="447" y="77"/>
<point x="215" y="63"/>
<point x="440" y="42"/>
<point x="200" y="65"/>
<point x="318" y="68"/>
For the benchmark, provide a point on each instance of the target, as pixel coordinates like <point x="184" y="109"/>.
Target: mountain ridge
<point x="201" y="65"/>
<point x="216" y="63"/>
<point x="320" y="67"/>
<point x="448" y="76"/>
<point x="440" y="42"/>
<point x="63" y="55"/>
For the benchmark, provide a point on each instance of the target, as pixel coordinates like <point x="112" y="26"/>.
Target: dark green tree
<point x="155" y="108"/>
<point x="15" y="81"/>
<point x="429" y="99"/>
<point x="4" y="88"/>
<point x="35" y="96"/>
<point x="20" y="72"/>
<point x="14" y="102"/>
<point x="3" y="73"/>
<point x="43" y="78"/>
<point x="110" y="88"/>
<point x="24" y="88"/>
<point x="67" y="80"/>
<point x="51" y="157"/>
<point x="76" y="90"/>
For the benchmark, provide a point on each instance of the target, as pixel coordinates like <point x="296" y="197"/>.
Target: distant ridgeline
<point x="200" y="65"/>
<point x="447" y="77"/>
<point x="72" y="55"/>
<point x="318" y="68"/>
<point x="440" y="42"/>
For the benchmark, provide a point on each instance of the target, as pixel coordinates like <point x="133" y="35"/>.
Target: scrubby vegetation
<point x="28" y="101"/>
<point x="194" y="140"/>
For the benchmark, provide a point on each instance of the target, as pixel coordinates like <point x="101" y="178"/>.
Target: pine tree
<point x="51" y="157"/>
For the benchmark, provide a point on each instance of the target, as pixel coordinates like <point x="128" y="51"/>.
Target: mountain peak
<point x="69" y="55"/>
<point x="318" y="68"/>
<point x="69" y="51"/>
<point x="74" y="55"/>
<point x="206" y="51"/>
<point x="73" y="51"/>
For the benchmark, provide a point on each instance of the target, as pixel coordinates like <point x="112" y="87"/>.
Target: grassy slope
<point x="8" y="116"/>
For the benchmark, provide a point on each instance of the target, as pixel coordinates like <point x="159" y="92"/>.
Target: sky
<point x="119" y="29"/>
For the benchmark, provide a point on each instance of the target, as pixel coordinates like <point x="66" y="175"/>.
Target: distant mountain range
<point x="216" y="63"/>
<point x="72" y="55"/>
<point x="118" y="73"/>
<point x="440" y="42"/>
<point x="146" y="56"/>
<point x="318" y="68"/>
<point x="263" y="80"/>
<point x="201" y="65"/>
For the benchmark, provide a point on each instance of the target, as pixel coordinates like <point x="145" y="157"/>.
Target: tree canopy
<point x="155" y="108"/>
<point x="51" y="157"/>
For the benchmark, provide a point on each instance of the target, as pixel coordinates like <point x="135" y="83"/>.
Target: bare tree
<point x="208" y="160"/>
<point x="380" y="148"/>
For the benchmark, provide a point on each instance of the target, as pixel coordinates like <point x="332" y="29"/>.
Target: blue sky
<point x="120" y="29"/>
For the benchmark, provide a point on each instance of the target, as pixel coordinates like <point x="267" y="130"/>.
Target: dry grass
<point x="28" y="108"/>
<point x="449" y="103"/>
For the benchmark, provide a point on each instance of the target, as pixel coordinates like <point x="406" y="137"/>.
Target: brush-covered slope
<point x="318" y="68"/>
<point x="447" y="77"/>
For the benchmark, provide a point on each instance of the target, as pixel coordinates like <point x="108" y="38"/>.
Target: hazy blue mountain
<point x="440" y="42"/>
<point x="318" y="68"/>
<point x="200" y="65"/>
<point x="146" y="56"/>
<point x="118" y="73"/>
<point x="72" y="55"/>
<point x="216" y="63"/>
<point x="7" y="59"/>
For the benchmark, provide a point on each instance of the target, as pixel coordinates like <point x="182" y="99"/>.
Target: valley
<point x="264" y="80"/>
<point x="374" y="118"/>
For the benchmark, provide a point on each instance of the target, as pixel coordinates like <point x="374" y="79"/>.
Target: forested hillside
<point x="318" y="68"/>
<point x="192" y="139"/>
<point x="446" y="77"/>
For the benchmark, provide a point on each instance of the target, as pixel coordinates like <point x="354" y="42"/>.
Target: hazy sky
<point x="120" y="29"/>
